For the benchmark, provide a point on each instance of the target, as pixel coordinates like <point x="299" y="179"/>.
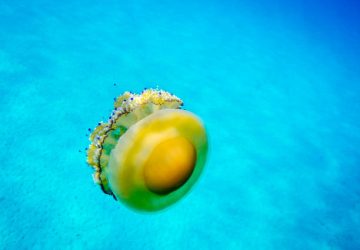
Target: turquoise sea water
<point x="277" y="84"/>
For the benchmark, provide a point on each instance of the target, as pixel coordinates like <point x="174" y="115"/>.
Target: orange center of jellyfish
<point x="170" y="165"/>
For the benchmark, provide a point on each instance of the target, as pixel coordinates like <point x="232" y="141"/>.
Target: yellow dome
<point x="151" y="154"/>
<point x="169" y="165"/>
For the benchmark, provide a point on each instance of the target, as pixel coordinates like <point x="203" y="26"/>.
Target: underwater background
<point x="277" y="84"/>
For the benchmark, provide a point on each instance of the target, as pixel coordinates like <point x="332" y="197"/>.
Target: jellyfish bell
<point x="157" y="160"/>
<point x="150" y="153"/>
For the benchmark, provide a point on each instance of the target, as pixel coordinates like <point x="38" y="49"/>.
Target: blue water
<point x="277" y="84"/>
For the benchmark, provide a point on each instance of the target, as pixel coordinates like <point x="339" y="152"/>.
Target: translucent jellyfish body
<point x="150" y="152"/>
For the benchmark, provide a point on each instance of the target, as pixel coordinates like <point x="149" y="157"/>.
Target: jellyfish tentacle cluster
<point x="150" y="152"/>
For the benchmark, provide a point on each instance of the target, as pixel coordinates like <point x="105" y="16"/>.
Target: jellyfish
<point x="150" y="152"/>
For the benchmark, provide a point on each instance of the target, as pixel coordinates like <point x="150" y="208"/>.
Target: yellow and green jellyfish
<point x="150" y="152"/>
